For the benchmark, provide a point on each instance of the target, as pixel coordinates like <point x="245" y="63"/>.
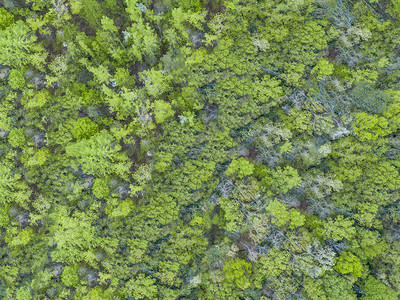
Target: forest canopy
<point x="202" y="149"/>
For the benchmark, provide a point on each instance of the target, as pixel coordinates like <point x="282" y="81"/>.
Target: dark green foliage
<point x="366" y="97"/>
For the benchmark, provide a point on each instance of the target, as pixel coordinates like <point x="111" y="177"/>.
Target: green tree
<point x="70" y="276"/>
<point x="6" y="18"/>
<point x="162" y="111"/>
<point x="18" y="47"/>
<point x="238" y="271"/>
<point x="97" y="154"/>
<point x="376" y="290"/>
<point x="340" y="228"/>
<point x="283" y="180"/>
<point x="16" y="79"/>
<point x="338" y="287"/>
<point x="240" y="168"/>
<point x="24" y="293"/>
<point x="366" y="97"/>
<point x="281" y="216"/>
<point x="84" y="128"/>
<point x="142" y="287"/>
<point x="348" y="263"/>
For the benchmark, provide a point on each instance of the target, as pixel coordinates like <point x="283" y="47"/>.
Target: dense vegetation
<point x="222" y="149"/>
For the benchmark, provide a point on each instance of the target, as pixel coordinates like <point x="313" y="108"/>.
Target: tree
<point x="240" y="168"/>
<point x="16" y="79"/>
<point x="162" y="111"/>
<point x="199" y="149"/>
<point x="70" y="276"/>
<point x="18" y="47"/>
<point x="16" y="137"/>
<point x="281" y="216"/>
<point x="348" y="263"/>
<point x="97" y="154"/>
<point x="6" y="18"/>
<point x="73" y="237"/>
<point x="8" y="183"/>
<point x="323" y="68"/>
<point x="140" y="37"/>
<point x="376" y="290"/>
<point x="84" y="128"/>
<point x="340" y="228"/>
<point x="274" y="264"/>
<point x="142" y="287"/>
<point x="238" y="271"/>
<point x="24" y="293"/>
<point x="314" y="289"/>
<point x="366" y="97"/>
<point x="283" y="180"/>
<point x="338" y="287"/>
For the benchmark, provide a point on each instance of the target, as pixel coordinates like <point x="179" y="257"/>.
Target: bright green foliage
<point x="232" y="213"/>
<point x="141" y="39"/>
<point x="16" y="137"/>
<point x="123" y="209"/>
<point x="238" y="271"/>
<point x="298" y="120"/>
<point x="39" y="100"/>
<point x="100" y="188"/>
<point x="100" y="73"/>
<point x="283" y="180"/>
<point x="6" y="18"/>
<point x="395" y="8"/>
<point x="366" y="214"/>
<point x="240" y="168"/>
<point x="376" y="290"/>
<point x="23" y="237"/>
<point x="268" y="90"/>
<point x="163" y="160"/>
<point x="274" y="263"/>
<point x="286" y="148"/>
<point x="338" y="287"/>
<point x="69" y="276"/>
<point x="314" y="289"/>
<point x="370" y="245"/>
<point x="16" y="79"/>
<point x="18" y="47"/>
<point x="39" y="158"/>
<point x="73" y="236"/>
<point x="24" y="293"/>
<point x="370" y="127"/>
<point x="84" y="128"/>
<point x="323" y="68"/>
<point x="281" y="216"/>
<point x="296" y="219"/>
<point x="156" y="82"/>
<point x="97" y="154"/>
<point x="168" y="272"/>
<point x="165" y="213"/>
<point x="392" y="111"/>
<point x="123" y="78"/>
<point x="8" y="182"/>
<point x="339" y="229"/>
<point x="348" y="263"/>
<point x="143" y="287"/>
<point x="162" y="111"/>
